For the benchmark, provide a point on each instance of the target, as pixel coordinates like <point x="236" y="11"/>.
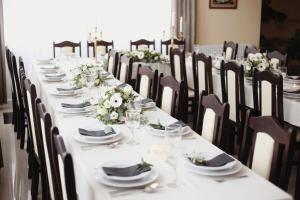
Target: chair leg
<point x="35" y="180"/>
<point x="297" y="186"/>
<point x="22" y="131"/>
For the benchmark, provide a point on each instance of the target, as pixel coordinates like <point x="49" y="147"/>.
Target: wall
<point x="240" y="25"/>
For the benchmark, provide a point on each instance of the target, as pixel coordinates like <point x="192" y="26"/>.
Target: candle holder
<point x="172" y="36"/>
<point x="95" y="39"/>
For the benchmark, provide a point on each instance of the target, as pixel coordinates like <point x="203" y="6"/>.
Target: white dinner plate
<point x="65" y="93"/>
<point x="149" y="105"/>
<point x="161" y="133"/>
<point x="117" y="130"/>
<point x="76" y="110"/>
<point x="235" y="169"/>
<point x="49" y="67"/>
<point x="82" y="139"/>
<point x="121" y="164"/>
<point x="132" y="184"/>
<point x="45" y="61"/>
<point x="54" y="79"/>
<point x="205" y="168"/>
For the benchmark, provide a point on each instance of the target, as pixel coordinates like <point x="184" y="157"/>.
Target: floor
<point x="14" y="184"/>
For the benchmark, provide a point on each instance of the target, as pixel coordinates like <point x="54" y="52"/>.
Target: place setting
<point x="291" y="89"/>
<point x="66" y="90"/>
<point x="158" y="128"/>
<point x="54" y="77"/>
<point x="77" y="108"/>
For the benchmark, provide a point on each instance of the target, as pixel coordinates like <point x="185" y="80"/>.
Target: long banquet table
<point x="151" y="148"/>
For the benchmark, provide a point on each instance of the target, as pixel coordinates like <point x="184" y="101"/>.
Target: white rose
<point x="248" y="67"/>
<point x="258" y="55"/>
<point x="85" y="67"/>
<point x="102" y="111"/>
<point x="114" y="115"/>
<point x="141" y="55"/>
<point x="106" y="104"/>
<point x="116" y="100"/>
<point x="128" y="90"/>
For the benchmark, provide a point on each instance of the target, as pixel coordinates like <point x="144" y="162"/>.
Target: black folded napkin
<point x="55" y="76"/>
<point x="144" y="101"/>
<point x="122" y="85"/>
<point x="181" y="123"/>
<point x="79" y="105"/>
<point x="217" y="161"/>
<point x="293" y="78"/>
<point x="105" y="75"/>
<point x="161" y="127"/>
<point x="126" y="171"/>
<point x="99" y="133"/>
<point x="67" y="89"/>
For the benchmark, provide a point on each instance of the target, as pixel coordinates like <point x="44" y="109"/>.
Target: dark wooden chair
<point x="125" y="69"/>
<point x="232" y="84"/>
<point x="167" y="43"/>
<point x="250" y="50"/>
<point x="212" y="119"/>
<point x="277" y="58"/>
<point x="268" y="94"/>
<point x="1" y="157"/>
<point x="65" y="169"/>
<point x="44" y="124"/>
<point x="67" y="44"/>
<point x="230" y="50"/>
<point x="142" y="43"/>
<point x="146" y="82"/>
<point x="202" y="73"/>
<point x="36" y="164"/>
<point x="113" y="61"/>
<point x="170" y="96"/>
<point x="297" y="186"/>
<point x="100" y="43"/>
<point x="268" y="148"/>
<point x="178" y="70"/>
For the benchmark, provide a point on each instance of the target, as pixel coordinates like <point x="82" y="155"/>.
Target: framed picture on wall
<point x="223" y="4"/>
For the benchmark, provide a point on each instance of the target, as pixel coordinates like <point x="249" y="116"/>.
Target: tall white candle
<point x="173" y="18"/>
<point x="181" y="24"/>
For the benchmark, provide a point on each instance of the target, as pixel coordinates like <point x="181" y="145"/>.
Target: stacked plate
<point x="291" y="92"/>
<point x="45" y="61"/>
<point x="125" y="174"/>
<point x="66" y="91"/>
<point x="98" y="135"/>
<point x="220" y="165"/>
<point x="159" y="130"/>
<point x="76" y="108"/>
<point x="55" y="77"/>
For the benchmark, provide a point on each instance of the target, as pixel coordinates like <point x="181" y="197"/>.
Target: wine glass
<point x="132" y="120"/>
<point x="173" y="136"/>
<point x="90" y="81"/>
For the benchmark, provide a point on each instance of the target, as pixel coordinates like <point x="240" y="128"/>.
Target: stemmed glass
<point x="90" y="81"/>
<point x="132" y="120"/>
<point x="173" y="138"/>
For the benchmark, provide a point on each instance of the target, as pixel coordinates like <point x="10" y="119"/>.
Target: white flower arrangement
<point x="114" y="103"/>
<point x="147" y="56"/>
<point x="85" y="69"/>
<point x="256" y="61"/>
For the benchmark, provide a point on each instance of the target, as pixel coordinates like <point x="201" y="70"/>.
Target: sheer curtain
<point x="32" y="25"/>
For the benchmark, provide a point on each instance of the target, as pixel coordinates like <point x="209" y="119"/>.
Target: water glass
<point x="173" y="136"/>
<point x="132" y="120"/>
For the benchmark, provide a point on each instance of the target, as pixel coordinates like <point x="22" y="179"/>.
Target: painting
<point x="223" y="4"/>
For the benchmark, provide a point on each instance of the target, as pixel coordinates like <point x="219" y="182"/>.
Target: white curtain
<point x="32" y="25"/>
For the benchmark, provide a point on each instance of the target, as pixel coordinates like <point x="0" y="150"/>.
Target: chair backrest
<point x="142" y="44"/>
<point x="167" y="43"/>
<point x="178" y="69"/>
<point x="250" y="50"/>
<point x="268" y="94"/>
<point x="230" y="49"/>
<point x="44" y="122"/>
<point x="268" y="148"/>
<point x="276" y="58"/>
<point x="16" y="82"/>
<point x="22" y="75"/>
<point x="146" y="82"/>
<point x="212" y="118"/>
<point x="103" y="47"/>
<point x="67" y="46"/>
<point x="233" y="92"/>
<point x="65" y="167"/>
<point x="125" y="69"/>
<point x="202" y="72"/>
<point x="113" y="61"/>
<point x="169" y="96"/>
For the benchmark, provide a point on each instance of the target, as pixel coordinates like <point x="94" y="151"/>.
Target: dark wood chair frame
<point x="60" y="149"/>
<point x="235" y="126"/>
<point x="63" y="44"/>
<point x="233" y="46"/>
<point x="177" y="99"/>
<point x="46" y="117"/>
<point x="249" y="50"/>
<point x="281" y="57"/>
<point x="36" y="163"/>
<point x="153" y="80"/>
<point x="208" y="78"/>
<point x="106" y="44"/>
<point x="168" y="43"/>
<point x="129" y="63"/>
<point x="137" y="43"/>
<point x="277" y="93"/>
<point x="222" y="117"/>
<point x="115" y="55"/>
<point x="283" y="148"/>
<point x="187" y="100"/>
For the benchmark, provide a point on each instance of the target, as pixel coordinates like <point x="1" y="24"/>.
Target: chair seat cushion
<point x="191" y="93"/>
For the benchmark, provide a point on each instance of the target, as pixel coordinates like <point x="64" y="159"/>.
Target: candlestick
<point x="173" y="18"/>
<point x="172" y="36"/>
<point x="180" y="24"/>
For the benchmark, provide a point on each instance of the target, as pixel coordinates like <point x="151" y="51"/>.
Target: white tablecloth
<point x="191" y="186"/>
